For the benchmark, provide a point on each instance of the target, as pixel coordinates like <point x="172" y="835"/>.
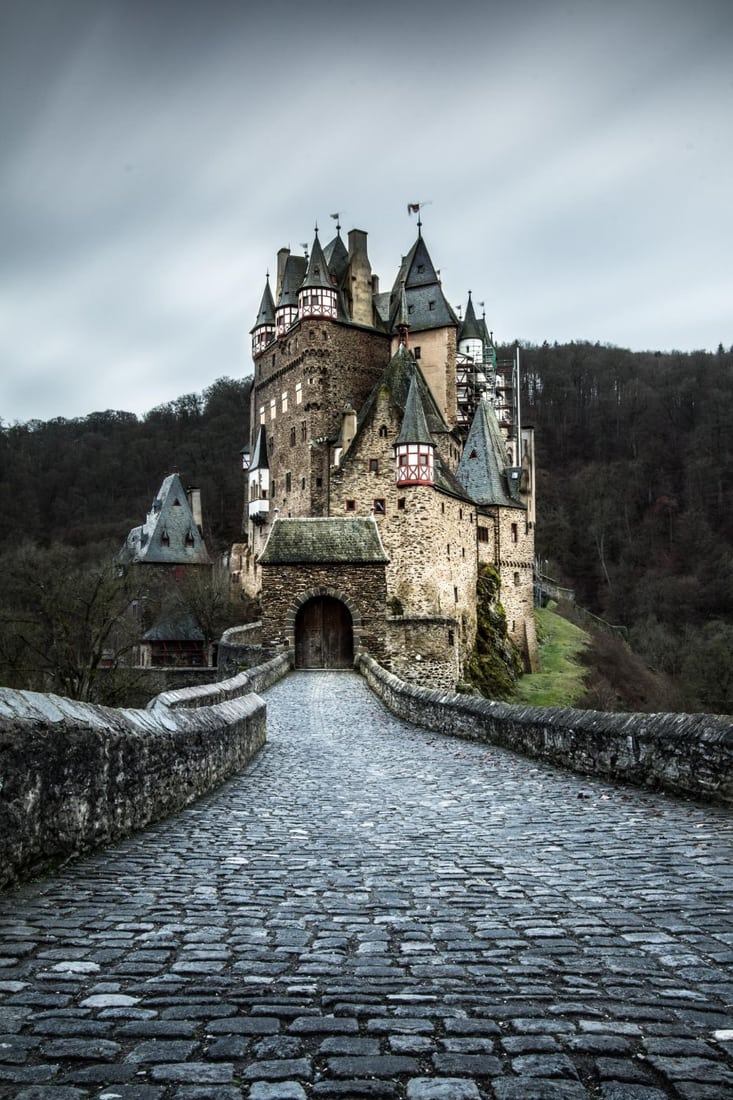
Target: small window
<point x="451" y="638"/>
<point x="189" y="539"/>
<point x="416" y="352"/>
<point x="298" y="393"/>
<point x="262" y="414"/>
<point x="273" y="409"/>
<point x="401" y="504"/>
<point x="431" y="304"/>
<point x="442" y="508"/>
<point x="165" y="539"/>
<point x="515" y="532"/>
<point x="448" y="549"/>
<point x="288" y="483"/>
<point x="421" y="269"/>
<point x="176" y="503"/>
<point x="373" y="465"/>
<point x="383" y="431"/>
<point x="482" y="534"/>
<point x="379" y="506"/>
<point x="302" y="483"/>
<point x="516" y="580"/>
<point x="303" y="431"/>
<point x="319" y="483"/>
<point x="350" y="505"/>
<point x="285" y="402"/>
<point x="455" y="594"/>
<point x="410" y="309"/>
<point x="292" y="437"/>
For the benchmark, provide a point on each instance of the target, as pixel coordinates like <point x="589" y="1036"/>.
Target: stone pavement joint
<point x="373" y="910"/>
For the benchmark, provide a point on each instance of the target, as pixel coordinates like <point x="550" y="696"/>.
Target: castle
<point x="387" y="464"/>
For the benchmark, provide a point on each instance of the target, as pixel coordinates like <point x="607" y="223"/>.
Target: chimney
<point x="359" y="284"/>
<point x="348" y="427"/>
<point x="282" y="259"/>
<point x="194" y="500"/>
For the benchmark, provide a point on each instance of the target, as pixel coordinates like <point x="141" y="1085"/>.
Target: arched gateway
<point x="324" y="634"/>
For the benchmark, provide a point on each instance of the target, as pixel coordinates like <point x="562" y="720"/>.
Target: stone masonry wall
<point x="686" y="754"/>
<point x="361" y="587"/>
<point x="75" y="776"/>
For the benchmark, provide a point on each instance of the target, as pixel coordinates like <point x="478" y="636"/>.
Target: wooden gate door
<point x="324" y="635"/>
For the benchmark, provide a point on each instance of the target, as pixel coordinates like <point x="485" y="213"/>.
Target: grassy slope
<point x="561" y="683"/>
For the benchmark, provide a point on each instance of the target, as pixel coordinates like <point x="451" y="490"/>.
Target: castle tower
<point x="317" y="294"/>
<point x="263" y="331"/>
<point x="414" y="449"/>
<point x="291" y="272"/>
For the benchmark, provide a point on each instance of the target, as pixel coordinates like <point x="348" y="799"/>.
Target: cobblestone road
<point x="376" y="911"/>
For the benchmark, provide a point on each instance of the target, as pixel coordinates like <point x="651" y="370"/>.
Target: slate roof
<point x="259" y="460"/>
<point x="317" y="274"/>
<point x="316" y="540"/>
<point x="169" y="535"/>
<point x="427" y="306"/>
<point x="337" y="258"/>
<point x="293" y="275"/>
<point x="182" y="627"/>
<point x="266" y="312"/>
<point x="470" y="329"/>
<point x="397" y="379"/>
<point x="482" y="470"/>
<point x="414" y="423"/>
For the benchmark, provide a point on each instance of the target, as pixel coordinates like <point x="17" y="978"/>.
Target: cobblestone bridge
<point x="376" y="911"/>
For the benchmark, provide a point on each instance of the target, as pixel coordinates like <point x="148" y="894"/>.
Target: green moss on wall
<point x="495" y="664"/>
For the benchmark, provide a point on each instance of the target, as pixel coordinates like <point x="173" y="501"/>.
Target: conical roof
<point x="266" y="312"/>
<point x="317" y="274"/>
<point x="470" y="329"/>
<point x="170" y="535"/>
<point x="414" y="422"/>
<point x="259" y="457"/>
<point x="482" y="468"/>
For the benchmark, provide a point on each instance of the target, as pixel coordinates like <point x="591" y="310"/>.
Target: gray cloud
<point x="576" y="156"/>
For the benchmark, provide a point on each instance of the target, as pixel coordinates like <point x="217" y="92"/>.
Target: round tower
<point x="317" y="296"/>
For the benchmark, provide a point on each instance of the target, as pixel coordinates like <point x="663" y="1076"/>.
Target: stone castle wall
<point x="77" y="776"/>
<point x="361" y="587"/>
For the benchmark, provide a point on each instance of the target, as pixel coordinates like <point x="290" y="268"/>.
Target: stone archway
<point x="324" y="634"/>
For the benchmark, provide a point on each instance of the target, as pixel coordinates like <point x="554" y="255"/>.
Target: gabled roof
<point x="266" y="312"/>
<point x="317" y="540"/>
<point x="169" y="535"/>
<point x="397" y="379"/>
<point x="259" y="460"/>
<point x="180" y="626"/>
<point x="483" y="465"/>
<point x="414" y="423"/>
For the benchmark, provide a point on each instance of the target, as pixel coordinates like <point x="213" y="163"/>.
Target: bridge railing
<point x="687" y="754"/>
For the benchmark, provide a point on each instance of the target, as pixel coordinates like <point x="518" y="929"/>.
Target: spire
<point x="263" y="331"/>
<point x="414" y="422"/>
<point x="470" y="329"/>
<point x="317" y="296"/>
<point x="259" y="457"/>
<point x="483" y="468"/>
<point x="317" y="275"/>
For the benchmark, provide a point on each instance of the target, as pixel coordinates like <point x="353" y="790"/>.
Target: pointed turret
<point x="259" y="480"/>
<point x="414" y="449"/>
<point x="470" y="339"/>
<point x="484" y="470"/>
<point x="263" y="332"/>
<point x="317" y="294"/>
<point x="293" y="273"/>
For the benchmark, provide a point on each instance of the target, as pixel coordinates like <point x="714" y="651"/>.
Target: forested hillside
<point x="635" y="499"/>
<point x="89" y="480"/>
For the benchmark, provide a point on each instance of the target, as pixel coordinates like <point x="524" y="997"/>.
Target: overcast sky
<point x="575" y="158"/>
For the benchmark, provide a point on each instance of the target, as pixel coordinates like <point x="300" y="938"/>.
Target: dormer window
<point x="165" y="539"/>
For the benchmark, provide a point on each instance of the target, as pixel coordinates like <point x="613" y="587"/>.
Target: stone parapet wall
<point x="75" y="776"/>
<point x="254" y="679"/>
<point x="686" y="754"/>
